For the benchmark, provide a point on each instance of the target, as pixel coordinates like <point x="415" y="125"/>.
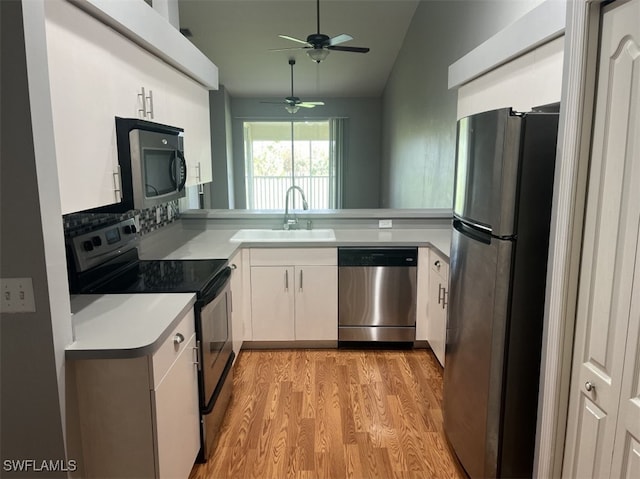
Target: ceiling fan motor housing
<point x="318" y="40"/>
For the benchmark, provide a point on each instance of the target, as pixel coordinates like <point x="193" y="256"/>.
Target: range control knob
<point x="96" y="240"/>
<point x="130" y="229"/>
<point x="87" y="245"/>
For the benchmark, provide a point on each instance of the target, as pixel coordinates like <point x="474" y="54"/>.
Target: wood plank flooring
<point x="332" y="414"/>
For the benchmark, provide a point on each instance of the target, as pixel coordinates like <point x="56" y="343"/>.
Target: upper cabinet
<point x="96" y="74"/>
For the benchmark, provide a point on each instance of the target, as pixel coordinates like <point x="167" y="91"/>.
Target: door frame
<point x="569" y="200"/>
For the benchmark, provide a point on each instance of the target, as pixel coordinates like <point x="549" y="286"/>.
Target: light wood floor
<point x="333" y="414"/>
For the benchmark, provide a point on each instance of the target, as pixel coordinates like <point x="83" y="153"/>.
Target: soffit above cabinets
<point x="541" y="25"/>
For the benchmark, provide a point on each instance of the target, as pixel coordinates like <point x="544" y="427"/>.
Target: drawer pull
<point x="178" y="338"/>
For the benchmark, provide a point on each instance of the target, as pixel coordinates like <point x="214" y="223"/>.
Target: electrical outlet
<point x="17" y="295"/>
<point x="385" y="224"/>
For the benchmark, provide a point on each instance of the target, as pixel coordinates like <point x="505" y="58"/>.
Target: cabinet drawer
<point x="294" y="256"/>
<point x="166" y="355"/>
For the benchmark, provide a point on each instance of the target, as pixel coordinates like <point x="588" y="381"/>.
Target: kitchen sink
<point x="277" y="236"/>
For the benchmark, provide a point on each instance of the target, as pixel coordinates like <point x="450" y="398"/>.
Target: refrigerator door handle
<point x="471" y="232"/>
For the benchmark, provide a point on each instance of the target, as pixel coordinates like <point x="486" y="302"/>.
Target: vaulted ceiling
<point x="237" y="36"/>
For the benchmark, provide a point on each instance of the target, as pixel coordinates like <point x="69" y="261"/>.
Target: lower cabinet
<point x="294" y="294"/>
<point x="437" y="304"/>
<point x="139" y="417"/>
<point x="237" y="301"/>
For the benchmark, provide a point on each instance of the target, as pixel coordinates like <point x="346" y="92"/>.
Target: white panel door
<point x="626" y="452"/>
<point x="609" y="255"/>
<point x="316" y="303"/>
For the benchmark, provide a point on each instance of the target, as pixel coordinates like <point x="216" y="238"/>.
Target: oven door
<point x="213" y="331"/>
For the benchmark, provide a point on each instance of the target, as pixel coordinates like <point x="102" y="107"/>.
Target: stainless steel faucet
<point x="288" y="222"/>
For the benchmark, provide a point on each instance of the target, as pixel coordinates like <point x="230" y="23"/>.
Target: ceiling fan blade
<point x="306" y="105"/>
<point x="287" y="49"/>
<point x="348" y="49"/>
<point x="275" y="102"/>
<point x="343" y="37"/>
<point x="293" y="39"/>
<point x="310" y="104"/>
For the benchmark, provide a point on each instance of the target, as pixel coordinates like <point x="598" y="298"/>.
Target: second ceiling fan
<point x="318" y="45"/>
<point x="292" y="103"/>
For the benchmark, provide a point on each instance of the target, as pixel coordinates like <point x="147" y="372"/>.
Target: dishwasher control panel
<point x="377" y="256"/>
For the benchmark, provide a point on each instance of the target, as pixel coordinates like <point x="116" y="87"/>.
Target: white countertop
<point x="124" y="325"/>
<point x="177" y="243"/>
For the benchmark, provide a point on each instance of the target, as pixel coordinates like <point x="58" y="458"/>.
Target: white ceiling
<point x="237" y="35"/>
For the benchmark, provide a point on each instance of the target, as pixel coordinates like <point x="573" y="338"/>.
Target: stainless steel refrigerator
<point x="502" y="208"/>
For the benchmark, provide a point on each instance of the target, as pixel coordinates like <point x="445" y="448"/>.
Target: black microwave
<point x="153" y="169"/>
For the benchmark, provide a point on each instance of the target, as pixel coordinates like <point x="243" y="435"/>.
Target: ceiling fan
<point x="318" y="45"/>
<point x="292" y="103"/>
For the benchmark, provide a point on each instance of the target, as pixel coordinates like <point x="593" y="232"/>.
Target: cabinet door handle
<point x="286" y="280"/>
<point x="440" y="289"/>
<point x="445" y="295"/>
<point x="117" y="184"/>
<point x="198" y="361"/>
<point x="437" y="264"/>
<point x="199" y="173"/>
<point x="300" y="280"/>
<point x="150" y="109"/>
<point x="178" y="338"/>
<point x="143" y="101"/>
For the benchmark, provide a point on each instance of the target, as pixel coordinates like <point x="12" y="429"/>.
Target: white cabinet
<point x="177" y="420"/>
<point x="431" y="304"/>
<point x="422" y="296"/>
<point x="272" y="303"/>
<point x="237" y="300"/>
<point x="139" y="417"/>
<point x="97" y="74"/>
<point x="79" y="52"/>
<point x="438" y="296"/>
<point x="294" y="294"/>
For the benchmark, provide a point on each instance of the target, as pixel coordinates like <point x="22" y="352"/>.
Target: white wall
<point x="418" y="110"/>
<point x="361" y="172"/>
<point x="32" y="344"/>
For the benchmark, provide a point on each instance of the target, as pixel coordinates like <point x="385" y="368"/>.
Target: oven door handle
<point x="216" y="287"/>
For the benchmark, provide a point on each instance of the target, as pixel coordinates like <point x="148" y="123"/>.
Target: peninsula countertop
<point x="114" y="326"/>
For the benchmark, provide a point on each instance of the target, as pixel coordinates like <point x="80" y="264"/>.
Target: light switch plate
<point x="17" y="295"/>
<point x="385" y="224"/>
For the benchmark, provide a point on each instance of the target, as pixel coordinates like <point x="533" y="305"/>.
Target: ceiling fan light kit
<point x="317" y="54"/>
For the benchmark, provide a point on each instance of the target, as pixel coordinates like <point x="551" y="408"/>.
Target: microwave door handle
<point x="183" y="170"/>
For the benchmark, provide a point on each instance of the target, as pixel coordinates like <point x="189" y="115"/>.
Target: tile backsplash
<point x="147" y="220"/>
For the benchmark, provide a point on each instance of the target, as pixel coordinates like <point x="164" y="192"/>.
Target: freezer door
<point x="488" y="148"/>
<point x="474" y="352"/>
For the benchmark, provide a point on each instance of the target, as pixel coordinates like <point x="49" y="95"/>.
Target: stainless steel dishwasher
<point x="377" y="294"/>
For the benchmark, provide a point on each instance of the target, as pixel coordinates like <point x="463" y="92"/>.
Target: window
<point x="281" y="154"/>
